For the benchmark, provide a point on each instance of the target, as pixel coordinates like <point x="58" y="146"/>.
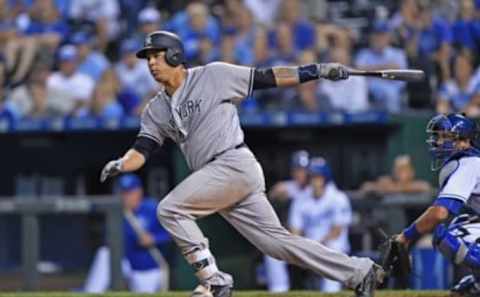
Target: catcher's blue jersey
<point x="459" y="179"/>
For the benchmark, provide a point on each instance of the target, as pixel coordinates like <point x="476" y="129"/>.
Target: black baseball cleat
<point x="212" y="291"/>
<point x="466" y="287"/>
<point x="370" y="282"/>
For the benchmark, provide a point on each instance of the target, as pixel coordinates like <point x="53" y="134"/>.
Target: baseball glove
<point x="394" y="258"/>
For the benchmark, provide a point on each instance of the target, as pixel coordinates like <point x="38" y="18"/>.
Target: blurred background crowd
<point x="75" y="58"/>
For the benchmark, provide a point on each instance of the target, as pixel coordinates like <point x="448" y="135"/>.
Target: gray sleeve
<point x="232" y="82"/>
<point x="148" y="127"/>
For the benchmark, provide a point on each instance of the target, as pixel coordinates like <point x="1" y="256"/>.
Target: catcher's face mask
<point x="445" y="133"/>
<point x="441" y="140"/>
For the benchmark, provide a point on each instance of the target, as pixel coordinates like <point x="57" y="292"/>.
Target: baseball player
<point x="323" y="215"/>
<point x="197" y="110"/>
<point x="278" y="279"/>
<point x="140" y="267"/>
<point x="298" y="184"/>
<point x="454" y="216"/>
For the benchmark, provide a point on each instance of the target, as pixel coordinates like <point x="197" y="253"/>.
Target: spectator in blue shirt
<point x="6" y="113"/>
<point x="195" y="26"/>
<point x="303" y="31"/>
<point x="466" y="29"/>
<point x="91" y="62"/>
<point x="61" y="5"/>
<point x="17" y="53"/>
<point x="46" y="24"/>
<point x="104" y="102"/>
<point x="283" y="54"/>
<point x="131" y="10"/>
<point x="462" y="93"/>
<point x="143" y="273"/>
<point x="149" y="20"/>
<point x="435" y="33"/>
<point x="245" y="31"/>
<point x="385" y="94"/>
<point x="137" y="86"/>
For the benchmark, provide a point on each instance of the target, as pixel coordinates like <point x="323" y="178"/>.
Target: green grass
<point x="236" y="294"/>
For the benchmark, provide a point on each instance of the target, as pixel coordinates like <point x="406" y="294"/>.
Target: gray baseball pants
<point x="233" y="185"/>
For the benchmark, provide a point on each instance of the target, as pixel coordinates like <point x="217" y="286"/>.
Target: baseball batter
<point x="196" y="109"/>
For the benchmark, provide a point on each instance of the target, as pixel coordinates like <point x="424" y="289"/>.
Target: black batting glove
<point x="333" y="71"/>
<point x="111" y="169"/>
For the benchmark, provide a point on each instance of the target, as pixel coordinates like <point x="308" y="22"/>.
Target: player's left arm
<point x="288" y="76"/>
<point x="236" y="82"/>
<point x="450" y="201"/>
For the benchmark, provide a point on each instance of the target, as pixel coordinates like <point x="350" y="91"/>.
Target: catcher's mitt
<point x="394" y="257"/>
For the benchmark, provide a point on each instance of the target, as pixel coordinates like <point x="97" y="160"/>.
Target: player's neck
<point x="175" y="81"/>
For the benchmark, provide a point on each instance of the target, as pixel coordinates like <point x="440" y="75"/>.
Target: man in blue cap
<point x="91" y="62"/>
<point x="381" y="54"/>
<point x="276" y="271"/>
<point x="142" y="263"/>
<point x="322" y="214"/>
<point x="69" y="91"/>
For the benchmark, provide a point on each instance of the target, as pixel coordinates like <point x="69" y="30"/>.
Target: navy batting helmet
<point x="166" y="41"/>
<point x="299" y="159"/>
<point x="444" y="130"/>
<point x="319" y="166"/>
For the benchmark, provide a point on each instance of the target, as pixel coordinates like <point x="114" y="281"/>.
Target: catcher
<point x="453" y="217"/>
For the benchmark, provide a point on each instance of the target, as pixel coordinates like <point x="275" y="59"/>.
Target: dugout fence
<point x="30" y="210"/>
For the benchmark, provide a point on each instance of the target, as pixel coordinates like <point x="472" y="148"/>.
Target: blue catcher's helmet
<point x="319" y="166"/>
<point x="443" y="133"/>
<point x="299" y="159"/>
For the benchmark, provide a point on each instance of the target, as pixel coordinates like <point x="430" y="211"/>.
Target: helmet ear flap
<point x="173" y="57"/>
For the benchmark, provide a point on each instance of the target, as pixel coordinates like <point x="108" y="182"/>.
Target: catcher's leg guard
<point x="450" y="243"/>
<point x="468" y="286"/>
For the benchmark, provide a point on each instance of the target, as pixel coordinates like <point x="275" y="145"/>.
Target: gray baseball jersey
<point x="202" y="120"/>
<point x="200" y="116"/>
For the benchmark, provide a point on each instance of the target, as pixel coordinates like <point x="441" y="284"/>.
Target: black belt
<point x="224" y="151"/>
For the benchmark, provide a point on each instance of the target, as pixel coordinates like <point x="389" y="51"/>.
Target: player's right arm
<point x="132" y="160"/>
<point x="148" y="140"/>
<point x="456" y="189"/>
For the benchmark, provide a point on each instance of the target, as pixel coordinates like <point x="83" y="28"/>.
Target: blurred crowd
<point x="76" y="58"/>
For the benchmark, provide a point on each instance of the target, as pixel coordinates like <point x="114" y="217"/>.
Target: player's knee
<point x="447" y="243"/>
<point x="164" y="211"/>
<point x="275" y="250"/>
<point x="472" y="258"/>
<point x="453" y="248"/>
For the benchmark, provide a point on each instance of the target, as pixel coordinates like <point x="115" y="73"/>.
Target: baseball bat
<point x="410" y="75"/>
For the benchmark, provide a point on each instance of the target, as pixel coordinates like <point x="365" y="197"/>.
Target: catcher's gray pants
<point x="233" y="185"/>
